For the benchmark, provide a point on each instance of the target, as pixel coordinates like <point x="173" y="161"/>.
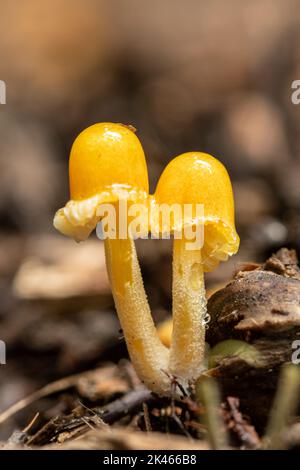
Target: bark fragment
<point x="261" y="307"/>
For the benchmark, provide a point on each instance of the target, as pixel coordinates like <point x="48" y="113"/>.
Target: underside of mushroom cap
<point x="220" y="242"/>
<point x="79" y="218"/>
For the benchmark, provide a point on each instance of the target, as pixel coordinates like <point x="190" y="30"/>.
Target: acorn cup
<point x="255" y="323"/>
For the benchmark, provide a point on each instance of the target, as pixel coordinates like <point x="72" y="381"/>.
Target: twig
<point x="174" y="384"/>
<point x="147" y="417"/>
<point x="26" y="429"/>
<point x="240" y="426"/>
<point x="127" y="404"/>
<point x="112" y="412"/>
<point x="49" y="389"/>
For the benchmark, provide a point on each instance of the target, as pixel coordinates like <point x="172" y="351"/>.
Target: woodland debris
<point x="284" y="407"/>
<point x="81" y="418"/>
<point x="125" y="439"/>
<point x="239" y="425"/>
<point x="56" y="268"/>
<point x="260" y="307"/>
<point x="90" y="384"/>
<point x="259" y="302"/>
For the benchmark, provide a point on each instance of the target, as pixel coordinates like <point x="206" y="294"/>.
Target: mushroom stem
<point x="147" y="353"/>
<point x="189" y="310"/>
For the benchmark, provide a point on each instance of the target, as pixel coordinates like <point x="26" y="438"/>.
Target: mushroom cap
<point x="198" y="178"/>
<point x="107" y="163"/>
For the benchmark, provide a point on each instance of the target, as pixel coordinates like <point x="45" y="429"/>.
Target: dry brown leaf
<point x="57" y="268"/>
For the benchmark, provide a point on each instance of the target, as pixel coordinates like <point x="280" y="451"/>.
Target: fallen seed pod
<point x="261" y="307"/>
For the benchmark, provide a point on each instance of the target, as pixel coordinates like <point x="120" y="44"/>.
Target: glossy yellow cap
<point x="198" y="178"/>
<point x="107" y="163"/>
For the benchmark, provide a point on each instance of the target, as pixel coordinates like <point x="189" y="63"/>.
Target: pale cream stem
<point x="189" y="310"/>
<point x="148" y="355"/>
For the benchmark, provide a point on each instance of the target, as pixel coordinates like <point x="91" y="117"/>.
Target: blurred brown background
<point x="189" y="75"/>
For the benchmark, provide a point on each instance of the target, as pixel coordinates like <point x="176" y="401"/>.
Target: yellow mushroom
<point x="164" y="331"/>
<point x="107" y="165"/>
<point x="193" y="179"/>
